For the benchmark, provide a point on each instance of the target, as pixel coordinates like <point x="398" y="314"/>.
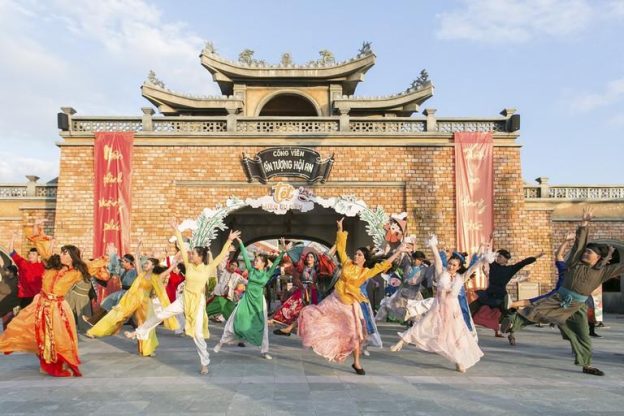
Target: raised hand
<point x="234" y="235"/>
<point x="432" y="241"/>
<point x="588" y="214"/>
<point x="540" y="254"/>
<point x="339" y="223"/>
<point x="570" y="237"/>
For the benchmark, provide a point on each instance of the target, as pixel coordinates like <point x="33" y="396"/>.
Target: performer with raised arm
<point x="442" y="330"/>
<point x="137" y="302"/>
<point x="46" y="327"/>
<point x="193" y="301"/>
<point x="566" y="308"/>
<point x="249" y="321"/>
<point x="333" y="328"/>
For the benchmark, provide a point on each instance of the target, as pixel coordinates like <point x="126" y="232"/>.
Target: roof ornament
<point x="286" y="59"/>
<point x="327" y="57"/>
<point x="209" y="48"/>
<point x="246" y="57"/>
<point x="365" y="49"/>
<point x="151" y="78"/>
<point x="422" y="81"/>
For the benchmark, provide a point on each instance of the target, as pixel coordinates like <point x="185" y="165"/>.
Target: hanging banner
<point x="113" y="175"/>
<point x="474" y="193"/>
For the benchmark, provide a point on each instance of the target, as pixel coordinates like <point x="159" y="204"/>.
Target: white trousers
<point x="175" y="309"/>
<point x="229" y="336"/>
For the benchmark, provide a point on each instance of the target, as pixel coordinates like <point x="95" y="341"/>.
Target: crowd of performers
<point x="331" y="301"/>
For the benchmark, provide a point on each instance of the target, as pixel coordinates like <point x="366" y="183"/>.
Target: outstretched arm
<point x="341" y="243"/>
<point x="180" y="240"/>
<point x="567" y="242"/>
<point x="432" y="243"/>
<point x="581" y="239"/>
<point x="137" y="257"/>
<point x="245" y="255"/>
<point x="226" y="248"/>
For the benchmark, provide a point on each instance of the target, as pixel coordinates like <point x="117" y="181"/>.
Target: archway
<point x="613" y="289"/>
<point x="288" y="104"/>
<point x="291" y="213"/>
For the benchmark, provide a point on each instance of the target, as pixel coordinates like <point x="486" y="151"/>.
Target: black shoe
<point x="358" y="371"/>
<point x="595" y="335"/>
<point x="512" y="339"/>
<point x="505" y="325"/>
<point x="280" y="332"/>
<point x="241" y="344"/>
<point x="593" y="371"/>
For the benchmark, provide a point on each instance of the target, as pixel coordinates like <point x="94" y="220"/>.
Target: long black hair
<point x="203" y="253"/>
<point x="54" y="262"/>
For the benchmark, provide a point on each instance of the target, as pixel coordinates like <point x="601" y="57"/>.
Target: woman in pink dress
<point x="442" y="330"/>
<point x="335" y="328"/>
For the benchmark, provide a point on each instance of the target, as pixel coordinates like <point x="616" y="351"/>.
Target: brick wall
<point x="181" y="181"/>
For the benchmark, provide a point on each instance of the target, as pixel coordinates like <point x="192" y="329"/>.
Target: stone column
<point x="70" y="111"/>
<point x="432" y="122"/>
<point x="146" y="120"/>
<point x="31" y="186"/>
<point x="544" y="187"/>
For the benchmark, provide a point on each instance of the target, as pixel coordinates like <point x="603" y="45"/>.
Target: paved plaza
<point x="537" y="377"/>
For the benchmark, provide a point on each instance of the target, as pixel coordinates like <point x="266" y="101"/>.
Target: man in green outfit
<point x="587" y="269"/>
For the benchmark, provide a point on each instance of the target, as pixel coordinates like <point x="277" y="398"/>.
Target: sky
<point x="560" y="63"/>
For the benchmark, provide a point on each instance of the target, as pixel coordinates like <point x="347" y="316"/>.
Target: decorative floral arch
<point x="285" y="198"/>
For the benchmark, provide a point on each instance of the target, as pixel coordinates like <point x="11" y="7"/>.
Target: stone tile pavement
<point x="537" y="377"/>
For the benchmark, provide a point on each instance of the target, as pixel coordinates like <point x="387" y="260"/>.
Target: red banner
<point x="474" y="193"/>
<point x="112" y="205"/>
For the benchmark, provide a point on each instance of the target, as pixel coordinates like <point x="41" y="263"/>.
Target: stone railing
<point x="293" y="125"/>
<point x="334" y="125"/>
<point x="573" y="192"/>
<point x="30" y="190"/>
<point x="97" y="124"/>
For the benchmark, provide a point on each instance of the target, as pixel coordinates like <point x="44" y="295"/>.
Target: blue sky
<point x="559" y="62"/>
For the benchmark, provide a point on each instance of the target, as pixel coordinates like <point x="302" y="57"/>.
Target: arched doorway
<point x="613" y="289"/>
<point x="289" y="105"/>
<point x="289" y="213"/>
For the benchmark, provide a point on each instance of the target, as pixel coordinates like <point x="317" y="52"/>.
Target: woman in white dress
<point x="442" y="330"/>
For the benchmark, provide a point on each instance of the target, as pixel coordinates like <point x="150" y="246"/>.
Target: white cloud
<point x="136" y="34"/>
<point x="93" y="55"/>
<point x="612" y="93"/>
<point x="14" y="168"/>
<point x="517" y="21"/>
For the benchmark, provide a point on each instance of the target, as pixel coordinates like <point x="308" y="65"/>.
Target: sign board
<point x="287" y="161"/>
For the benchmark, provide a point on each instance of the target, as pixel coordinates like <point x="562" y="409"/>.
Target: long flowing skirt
<point x="331" y="328"/>
<point x="289" y="311"/>
<point x="45" y="328"/>
<point x="443" y="331"/>
<point x="141" y="307"/>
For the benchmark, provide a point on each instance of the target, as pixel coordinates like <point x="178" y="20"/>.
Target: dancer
<point x="306" y="278"/>
<point x="566" y="308"/>
<point x="9" y="301"/>
<point x="493" y="297"/>
<point x="46" y="327"/>
<point x="223" y="300"/>
<point x="137" y="302"/>
<point x="30" y="271"/>
<point x="249" y="319"/>
<point x="395" y="306"/>
<point x="333" y="328"/>
<point x="193" y="303"/>
<point x="443" y="330"/>
<point x="127" y="277"/>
